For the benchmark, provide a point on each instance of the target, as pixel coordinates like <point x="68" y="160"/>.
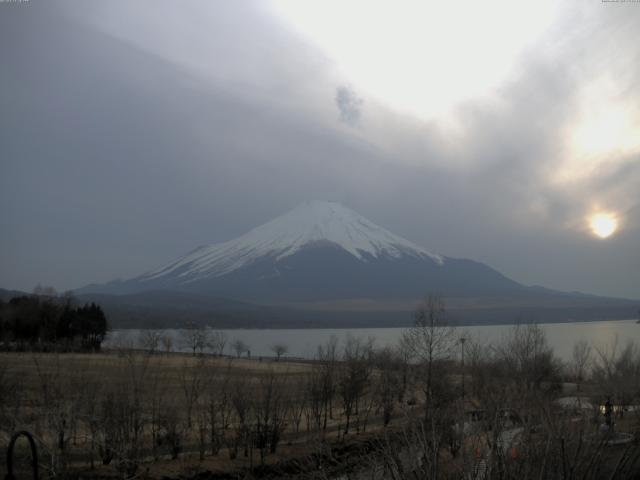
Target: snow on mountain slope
<point x="308" y="224"/>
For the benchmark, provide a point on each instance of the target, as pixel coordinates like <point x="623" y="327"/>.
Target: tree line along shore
<point x="48" y="322"/>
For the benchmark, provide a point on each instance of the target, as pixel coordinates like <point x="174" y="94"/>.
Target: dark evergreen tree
<point x="42" y="321"/>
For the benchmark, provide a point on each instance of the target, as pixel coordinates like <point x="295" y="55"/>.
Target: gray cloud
<point x="349" y="104"/>
<point x="126" y="141"/>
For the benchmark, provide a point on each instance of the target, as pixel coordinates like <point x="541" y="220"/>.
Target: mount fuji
<point x="317" y="251"/>
<point x="322" y="264"/>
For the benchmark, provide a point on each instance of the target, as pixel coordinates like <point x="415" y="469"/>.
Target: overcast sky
<point x="132" y="132"/>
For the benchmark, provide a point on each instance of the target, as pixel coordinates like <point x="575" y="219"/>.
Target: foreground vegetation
<point x="436" y="406"/>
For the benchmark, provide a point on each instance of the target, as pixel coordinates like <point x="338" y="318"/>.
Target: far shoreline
<point x="374" y="326"/>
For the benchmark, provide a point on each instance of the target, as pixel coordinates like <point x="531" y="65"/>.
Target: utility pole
<point x="462" y="340"/>
<point x="462" y="420"/>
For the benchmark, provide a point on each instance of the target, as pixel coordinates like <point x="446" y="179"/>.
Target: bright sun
<point x="603" y="225"/>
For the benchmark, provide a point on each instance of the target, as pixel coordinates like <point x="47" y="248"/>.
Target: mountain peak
<point x="321" y="207"/>
<point x="319" y="211"/>
<point x="308" y="224"/>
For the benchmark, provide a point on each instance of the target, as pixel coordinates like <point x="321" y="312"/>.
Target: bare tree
<point x="404" y="354"/>
<point x="269" y="413"/>
<point x="171" y="430"/>
<point x="239" y="347"/>
<point x="218" y="397"/>
<point x="121" y="417"/>
<point x="157" y="382"/>
<point x="528" y="356"/>
<point x="241" y="402"/>
<point x="386" y="384"/>
<point x="149" y="340"/>
<point x="430" y="340"/>
<point x="11" y="398"/>
<point x="328" y="359"/>
<point x="279" y="349"/>
<point x="317" y="404"/>
<point x="298" y="401"/>
<point x="57" y="409"/>
<point x="193" y="382"/>
<point x="91" y="417"/>
<point x="195" y="338"/>
<point x="580" y="360"/>
<point x="354" y="376"/>
<point x="618" y="371"/>
<point x="217" y="341"/>
<point x="167" y="343"/>
<point x="202" y="424"/>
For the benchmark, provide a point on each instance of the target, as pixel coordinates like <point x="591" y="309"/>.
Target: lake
<point x="304" y="342"/>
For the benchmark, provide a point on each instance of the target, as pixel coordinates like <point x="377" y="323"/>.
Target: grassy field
<point x="130" y="414"/>
<point x="64" y="400"/>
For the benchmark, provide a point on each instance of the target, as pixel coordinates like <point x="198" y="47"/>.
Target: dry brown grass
<point x="75" y="375"/>
<point x="27" y="369"/>
<point x="25" y="365"/>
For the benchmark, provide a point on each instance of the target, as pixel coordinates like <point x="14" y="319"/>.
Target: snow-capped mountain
<point x="317" y="251"/>
<point x="310" y="224"/>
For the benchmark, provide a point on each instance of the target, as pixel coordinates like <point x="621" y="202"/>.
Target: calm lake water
<point x="304" y="342"/>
